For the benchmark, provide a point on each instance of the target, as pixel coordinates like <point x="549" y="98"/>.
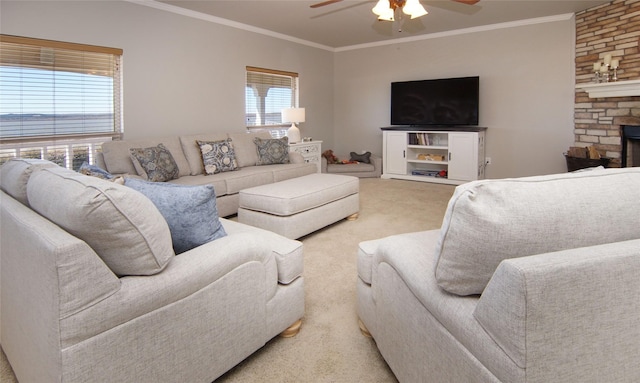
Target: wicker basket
<point x="575" y="163"/>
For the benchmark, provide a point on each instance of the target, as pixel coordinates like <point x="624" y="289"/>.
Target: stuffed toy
<point x="331" y="159"/>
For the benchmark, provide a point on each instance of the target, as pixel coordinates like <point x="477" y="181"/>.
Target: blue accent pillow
<point x="94" y="171"/>
<point x="190" y="211"/>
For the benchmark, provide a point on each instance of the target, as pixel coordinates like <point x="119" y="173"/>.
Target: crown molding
<point x="251" y="28"/>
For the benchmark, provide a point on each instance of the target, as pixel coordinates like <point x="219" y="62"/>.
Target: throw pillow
<point x="94" y="171"/>
<point x="272" y="151"/>
<point x="157" y="163"/>
<point x="364" y="158"/>
<point x="121" y="225"/>
<point x="218" y="156"/>
<point x="190" y="211"/>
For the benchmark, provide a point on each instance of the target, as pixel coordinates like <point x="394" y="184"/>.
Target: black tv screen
<point x="450" y="101"/>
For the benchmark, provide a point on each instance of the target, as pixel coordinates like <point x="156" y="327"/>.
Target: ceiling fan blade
<point x="469" y="2"/>
<point x="322" y="4"/>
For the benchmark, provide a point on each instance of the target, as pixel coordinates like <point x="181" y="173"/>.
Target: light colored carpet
<point x="330" y="347"/>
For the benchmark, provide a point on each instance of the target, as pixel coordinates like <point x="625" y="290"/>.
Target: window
<point x="267" y="92"/>
<point x="58" y="101"/>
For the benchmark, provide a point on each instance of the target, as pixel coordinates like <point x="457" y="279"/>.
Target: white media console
<point x="443" y="155"/>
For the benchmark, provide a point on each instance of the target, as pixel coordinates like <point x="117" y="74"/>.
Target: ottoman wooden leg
<point x="363" y="329"/>
<point x="292" y="330"/>
<point x="352" y="217"/>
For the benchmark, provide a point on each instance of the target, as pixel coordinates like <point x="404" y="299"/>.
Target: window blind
<point x="267" y="92"/>
<point x="53" y="90"/>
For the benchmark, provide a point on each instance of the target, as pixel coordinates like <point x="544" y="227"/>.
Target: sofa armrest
<point x="212" y="263"/>
<point x="573" y="311"/>
<point x="287" y="252"/>
<point x="377" y="163"/>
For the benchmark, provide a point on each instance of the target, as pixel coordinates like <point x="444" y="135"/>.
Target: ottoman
<point x="296" y="207"/>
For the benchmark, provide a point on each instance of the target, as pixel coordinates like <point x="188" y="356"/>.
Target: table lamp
<point x="293" y="115"/>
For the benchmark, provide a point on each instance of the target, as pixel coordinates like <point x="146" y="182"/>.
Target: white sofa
<point x="92" y="291"/>
<point x="528" y="280"/>
<point x="116" y="159"/>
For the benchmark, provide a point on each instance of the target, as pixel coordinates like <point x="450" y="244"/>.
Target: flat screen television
<point x="446" y="102"/>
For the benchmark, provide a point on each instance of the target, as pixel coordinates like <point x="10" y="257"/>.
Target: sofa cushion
<point x="154" y="163"/>
<point x="190" y="211"/>
<point x="272" y="150"/>
<point x="218" y="156"/>
<point x="121" y="225"/>
<point x="117" y="158"/>
<point x="192" y="151"/>
<point x="246" y="153"/>
<point x="15" y="173"/>
<point x="488" y="221"/>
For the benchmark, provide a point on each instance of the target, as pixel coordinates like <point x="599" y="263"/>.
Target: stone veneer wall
<point x="610" y="28"/>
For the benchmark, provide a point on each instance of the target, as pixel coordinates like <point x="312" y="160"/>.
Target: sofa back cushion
<point x="245" y="148"/>
<point x="121" y="225"/>
<point x="15" y="173"/>
<point x="192" y="150"/>
<point x="488" y="221"/>
<point x="117" y="157"/>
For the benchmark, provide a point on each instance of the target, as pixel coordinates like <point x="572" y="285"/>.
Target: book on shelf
<point x="419" y="139"/>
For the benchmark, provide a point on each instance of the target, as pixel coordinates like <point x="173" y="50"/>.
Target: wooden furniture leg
<point x="292" y="330"/>
<point x="363" y="329"/>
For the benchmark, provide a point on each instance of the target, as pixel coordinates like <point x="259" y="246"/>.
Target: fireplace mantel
<point x="611" y="89"/>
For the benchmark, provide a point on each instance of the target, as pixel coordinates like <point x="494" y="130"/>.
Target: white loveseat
<point x="528" y="280"/>
<point x="116" y="159"/>
<point x="92" y="291"/>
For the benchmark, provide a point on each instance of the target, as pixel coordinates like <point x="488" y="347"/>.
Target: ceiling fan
<point x="398" y="3"/>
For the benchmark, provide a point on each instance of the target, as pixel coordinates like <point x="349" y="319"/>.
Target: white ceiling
<point x="350" y="23"/>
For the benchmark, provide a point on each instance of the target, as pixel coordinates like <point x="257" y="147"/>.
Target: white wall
<point x="526" y="91"/>
<point x="181" y="74"/>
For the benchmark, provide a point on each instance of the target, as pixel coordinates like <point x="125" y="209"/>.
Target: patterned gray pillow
<point x="157" y="162"/>
<point x="218" y="156"/>
<point x="272" y="151"/>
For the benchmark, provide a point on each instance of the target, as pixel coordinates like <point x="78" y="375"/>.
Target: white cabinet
<point x="394" y="144"/>
<point x="443" y="156"/>
<point x="311" y="151"/>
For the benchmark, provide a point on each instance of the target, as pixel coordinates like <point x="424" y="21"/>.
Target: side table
<point x="311" y="151"/>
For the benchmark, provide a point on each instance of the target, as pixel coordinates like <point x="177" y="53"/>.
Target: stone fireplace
<point x="630" y="135"/>
<point x="600" y="121"/>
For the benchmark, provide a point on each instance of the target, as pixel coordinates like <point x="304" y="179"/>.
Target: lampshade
<point x="381" y="7"/>
<point x="385" y="9"/>
<point x="293" y="115"/>
<point x="414" y="8"/>
<point x="387" y="15"/>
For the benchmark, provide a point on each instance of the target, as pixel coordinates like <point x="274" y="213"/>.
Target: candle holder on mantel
<point x="606" y="71"/>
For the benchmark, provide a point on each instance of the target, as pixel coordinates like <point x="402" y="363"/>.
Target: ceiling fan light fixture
<point x="414" y="9"/>
<point x="381" y="8"/>
<point x="387" y="15"/>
